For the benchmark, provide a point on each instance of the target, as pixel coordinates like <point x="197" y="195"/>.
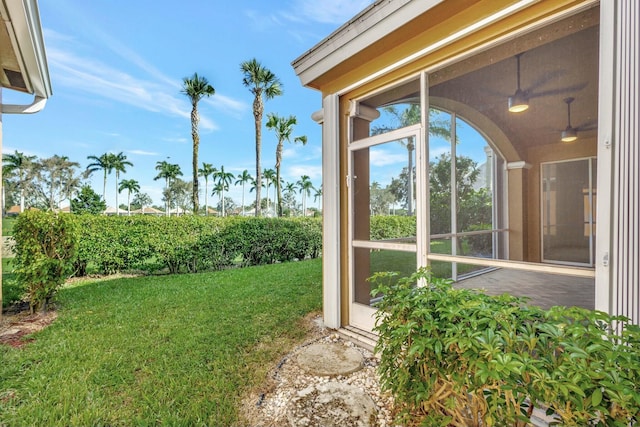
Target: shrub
<point x="392" y="227"/>
<point x="191" y="243"/>
<point x="46" y="245"/>
<point x="459" y="357"/>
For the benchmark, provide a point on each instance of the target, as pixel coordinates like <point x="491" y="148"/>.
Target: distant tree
<point x="381" y="199"/>
<point x="88" y="201"/>
<point x="132" y="186"/>
<point x="305" y="186"/>
<point x="407" y="115"/>
<point x="269" y="177"/>
<point x="223" y="179"/>
<point x="119" y="163"/>
<point x="140" y="200"/>
<point x="261" y="83"/>
<point x="196" y="88"/>
<point x="243" y="179"/>
<point x="168" y="172"/>
<point x="227" y="203"/>
<point x="21" y="166"/>
<point x="318" y="196"/>
<point x="290" y="191"/>
<point x="54" y="171"/>
<point x="179" y="194"/>
<point x="283" y="128"/>
<point x="206" y="171"/>
<point x="104" y="163"/>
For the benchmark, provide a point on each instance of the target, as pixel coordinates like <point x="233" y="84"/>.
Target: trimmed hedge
<point x="392" y="227"/>
<point x="189" y="243"/>
<point x="454" y="357"/>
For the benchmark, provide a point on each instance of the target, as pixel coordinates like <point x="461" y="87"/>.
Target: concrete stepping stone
<point x="332" y="404"/>
<point x="330" y="360"/>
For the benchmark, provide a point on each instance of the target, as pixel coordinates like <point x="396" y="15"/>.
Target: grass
<point x="7" y="226"/>
<point x="11" y="292"/>
<point x="172" y="350"/>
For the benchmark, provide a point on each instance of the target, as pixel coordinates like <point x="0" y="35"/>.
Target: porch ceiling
<point x="551" y="71"/>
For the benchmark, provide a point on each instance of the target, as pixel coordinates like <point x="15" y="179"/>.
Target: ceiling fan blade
<point x="560" y="91"/>
<point x="588" y="125"/>
<point x="546" y="78"/>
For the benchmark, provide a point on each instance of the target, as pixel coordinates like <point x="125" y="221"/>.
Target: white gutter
<point x="22" y="19"/>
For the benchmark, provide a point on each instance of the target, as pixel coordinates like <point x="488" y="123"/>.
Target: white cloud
<point x="313" y="171"/>
<point x="328" y="11"/>
<point x="150" y="90"/>
<point x="436" y="152"/>
<point x="143" y="153"/>
<point x="384" y="158"/>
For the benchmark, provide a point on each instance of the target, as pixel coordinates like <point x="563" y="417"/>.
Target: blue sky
<point x="116" y="69"/>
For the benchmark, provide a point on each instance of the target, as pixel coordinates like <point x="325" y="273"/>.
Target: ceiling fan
<point x="570" y="133"/>
<point x="519" y="101"/>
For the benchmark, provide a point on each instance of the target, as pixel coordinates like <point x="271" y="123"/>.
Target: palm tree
<point x="223" y="179"/>
<point x="261" y="82"/>
<point x="168" y="171"/>
<point x="196" y="88"/>
<point x="407" y="117"/>
<point x="104" y="162"/>
<point x="305" y="186"/>
<point x="131" y="185"/>
<point x="20" y="164"/>
<point x="218" y="189"/>
<point x="119" y="165"/>
<point x="206" y="171"/>
<point x="290" y="188"/>
<point x="269" y="176"/>
<point x="283" y="127"/>
<point x="318" y="196"/>
<point x="243" y="178"/>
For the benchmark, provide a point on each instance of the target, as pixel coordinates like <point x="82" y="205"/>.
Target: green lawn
<point x="10" y="291"/>
<point x="7" y="226"/>
<point x="162" y="350"/>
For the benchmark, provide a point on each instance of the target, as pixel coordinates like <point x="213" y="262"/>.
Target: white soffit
<point x="372" y="24"/>
<point x="22" y="20"/>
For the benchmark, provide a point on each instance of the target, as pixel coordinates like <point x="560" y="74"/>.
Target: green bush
<point x="191" y="243"/>
<point x="459" y="357"/>
<point x="46" y="245"/>
<point x="260" y="241"/>
<point x="392" y="227"/>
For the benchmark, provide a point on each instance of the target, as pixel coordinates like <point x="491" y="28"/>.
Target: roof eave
<point x="371" y="25"/>
<point x="22" y="19"/>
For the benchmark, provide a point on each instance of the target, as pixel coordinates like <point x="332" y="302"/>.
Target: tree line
<point x="46" y="183"/>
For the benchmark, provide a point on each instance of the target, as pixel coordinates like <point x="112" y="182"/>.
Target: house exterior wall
<point x="624" y="256"/>
<point x="447" y="32"/>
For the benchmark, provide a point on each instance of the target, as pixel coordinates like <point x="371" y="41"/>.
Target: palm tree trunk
<point x="117" y="205"/>
<point x="104" y="186"/>
<point x="196" y="146"/>
<point x="278" y="189"/>
<point x="257" y="112"/>
<point x="206" y="195"/>
<point x="410" y="146"/>
<point x="129" y="203"/>
<point x="242" y="198"/>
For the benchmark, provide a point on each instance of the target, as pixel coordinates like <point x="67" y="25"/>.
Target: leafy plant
<point x="46" y="245"/>
<point x="462" y="358"/>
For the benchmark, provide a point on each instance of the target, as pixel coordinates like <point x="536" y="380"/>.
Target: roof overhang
<point x="23" y="62"/>
<point x="371" y="25"/>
